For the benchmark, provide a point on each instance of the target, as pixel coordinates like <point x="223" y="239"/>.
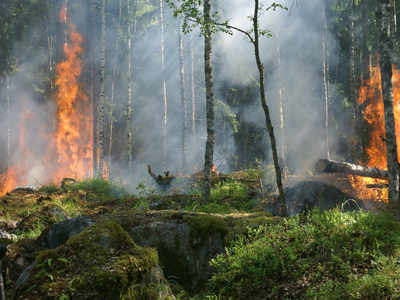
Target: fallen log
<point x="377" y="186"/>
<point x="330" y="166"/>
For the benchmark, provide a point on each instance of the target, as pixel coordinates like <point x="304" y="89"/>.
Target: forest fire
<point x="370" y="97"/>
<point x="71" y="142"/>
<point x="17" y="171"/>
<point x="74" y="135"/>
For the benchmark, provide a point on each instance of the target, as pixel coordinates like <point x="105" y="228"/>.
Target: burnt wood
<point x="331" y="166"/>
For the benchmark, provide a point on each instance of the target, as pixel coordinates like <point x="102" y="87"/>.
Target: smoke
<point x="297" y="32"/>
<point x="296" y="42"/>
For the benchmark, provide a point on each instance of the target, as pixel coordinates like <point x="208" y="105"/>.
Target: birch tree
<point x="191" y="12"/>
<point x="325" y="72"/>
<point x="129" y="103"/>
<point x="183" y="96"/>
<point x="163" y="82"/>
<point x="101" y="117"/>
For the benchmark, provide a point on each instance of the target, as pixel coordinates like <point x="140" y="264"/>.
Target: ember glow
<point x="70" y="144"/>
<point x="371" y="96"/>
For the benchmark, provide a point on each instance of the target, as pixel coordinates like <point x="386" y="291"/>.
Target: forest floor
<point x="318" y="255"/>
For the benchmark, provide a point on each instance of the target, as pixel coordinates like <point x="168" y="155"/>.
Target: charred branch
<point x="162" y="180"/>
<point x="330" y="166"/>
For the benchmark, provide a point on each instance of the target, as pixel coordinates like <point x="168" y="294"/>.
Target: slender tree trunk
<point x="266" y="109"/>
<point x="282" y="112"/>
<point x="325" y="74"/>
<point x="193" y="88"/>
<point x="183" y="96"/>
<point x="209" y="82"/>
<point x="114" y="74"/>
<point x="163" y="84"/>
<point x="101" y="115"/>
<point x="357" y="152"/>
<point x="384" y="15"/>
<point x="8" y="121"/>
<point x="93" y="90"/>
<point x="129" y="104"/>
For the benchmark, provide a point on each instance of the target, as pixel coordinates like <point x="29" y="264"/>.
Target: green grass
<point x="330" y="255"/>
<point x="99" y="189"/>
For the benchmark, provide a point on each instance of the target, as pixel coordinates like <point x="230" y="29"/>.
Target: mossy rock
<point x="102" y="262"/>
<point x="46" y="216"/>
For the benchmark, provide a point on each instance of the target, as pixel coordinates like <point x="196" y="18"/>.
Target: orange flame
<point x="17" y="172"/>
<point x="74" y="135"/>
<point x="371" y="91"/>
<point x="72" y="141"/>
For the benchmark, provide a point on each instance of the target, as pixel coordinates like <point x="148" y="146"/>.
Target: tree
<point x="163" y="84"/>
<point x="191" y="11"/>
<point x="101" y="116"/>
<point x="183" y="96"/>
<point x="384" y="17"/>
<point x="129" y="104"/>
<point x="209" y="80"/>
<point x="192" y="14"/>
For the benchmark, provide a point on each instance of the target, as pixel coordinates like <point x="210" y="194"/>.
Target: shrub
<point x="100" y="189"/>
<point x="330" y="255"/>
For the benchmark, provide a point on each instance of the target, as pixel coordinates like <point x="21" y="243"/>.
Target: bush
<point x="330" y="255"/>
<point x="100" y="189"/>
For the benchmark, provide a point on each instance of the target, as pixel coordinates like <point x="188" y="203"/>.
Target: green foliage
<point x="223" y="113"/>
<point x="330" y="255"/>
<point x="99" y="189"/>
<point x="49" y="188"/>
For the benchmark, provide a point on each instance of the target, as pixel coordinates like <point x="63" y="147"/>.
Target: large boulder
<point x="185" y="241"/>
<point x="307" y="195"/>
<point x="101" y="262"/>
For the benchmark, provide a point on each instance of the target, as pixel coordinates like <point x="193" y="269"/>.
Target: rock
<point x="307" y="195"/>
<point x="185" y="243"/>
<point x="101" y="262"/>
<point x="59" y="233"/>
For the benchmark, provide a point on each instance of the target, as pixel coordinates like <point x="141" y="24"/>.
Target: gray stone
<point x="307" y="195"/>
<point x="59" y="233"/>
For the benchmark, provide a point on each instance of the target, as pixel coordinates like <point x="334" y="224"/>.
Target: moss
<point x="203" y="225"/>
<point x="33" y="224"/>
<point x="101" y="262"/>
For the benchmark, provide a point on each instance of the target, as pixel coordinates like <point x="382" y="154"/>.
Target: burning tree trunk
<point x="331" y="166"/>
<point x="182" y="94"/>
<point x="209" y="80"/>
<point x="386" y="49"/>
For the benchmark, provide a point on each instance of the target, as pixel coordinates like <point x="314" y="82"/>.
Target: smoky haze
<point x="297" y="32"/>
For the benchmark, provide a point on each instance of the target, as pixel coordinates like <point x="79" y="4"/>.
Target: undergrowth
<point x="100" y="189"/>
<point x="330" y="255"/>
